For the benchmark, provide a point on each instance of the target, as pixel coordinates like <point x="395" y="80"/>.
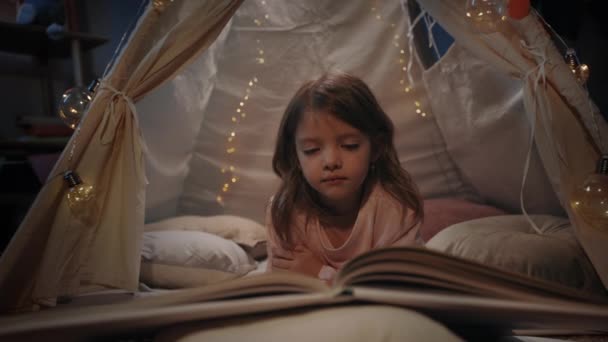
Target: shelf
<point x="19" y="148"/>
<point x="33" y="40"/>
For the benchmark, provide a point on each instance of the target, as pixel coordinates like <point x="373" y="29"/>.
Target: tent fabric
<point x="301" y="43"/>
<point x="181" y="135"/>
<point x="53" y="254"/>
<point x="479" y="125"/>
<point x="555" y="103"/>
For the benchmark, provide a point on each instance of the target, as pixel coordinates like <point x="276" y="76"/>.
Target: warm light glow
<point x="486" y="16"/>
<point x="81" y="198"/>
<point x="590" y="202"/>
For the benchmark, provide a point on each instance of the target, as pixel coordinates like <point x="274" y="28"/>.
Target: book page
<point x="258" y="293"/>
<point x="265" y="284"/>
<point x="415" y="267"/>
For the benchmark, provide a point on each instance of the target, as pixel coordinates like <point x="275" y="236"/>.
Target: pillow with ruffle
<point x="178" y="259"/>
<point x="248" y="233"/>
<point x="511" y="243"/>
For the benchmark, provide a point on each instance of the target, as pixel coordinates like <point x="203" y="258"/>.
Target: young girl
<point x="343" y="191"/>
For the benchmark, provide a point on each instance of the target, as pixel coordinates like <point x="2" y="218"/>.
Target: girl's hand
<point x="299" y="260"/>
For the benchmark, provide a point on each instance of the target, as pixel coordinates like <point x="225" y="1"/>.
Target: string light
<point x="580" y="71"/>
<point x="398" y="42"/>
<point x="229" y="171"/>
<point x="590" y="200"/>
<point x="161" y="5"/>
<point x="81" y="198"/>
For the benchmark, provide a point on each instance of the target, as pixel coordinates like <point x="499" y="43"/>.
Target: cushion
<point x="440" y="213"/>
<point x="510" y="242"/>
<point x="248" y="233"/>
<point x="358" y="323"/>
<point x="174" y="259"/>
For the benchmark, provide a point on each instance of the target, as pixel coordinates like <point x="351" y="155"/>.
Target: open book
<point x="459" y="293"/>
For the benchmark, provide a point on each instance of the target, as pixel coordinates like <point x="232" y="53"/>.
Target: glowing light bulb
<point x="81" y="198"/>
<point x="75" y="102"/>
<point x="580" y="71"/>
<point x="590" y="200"/>
<point x="486" y="16"/>
<point x="161" y="5"/>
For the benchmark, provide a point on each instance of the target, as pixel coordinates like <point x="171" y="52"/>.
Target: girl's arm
<point x="298" y="258"/>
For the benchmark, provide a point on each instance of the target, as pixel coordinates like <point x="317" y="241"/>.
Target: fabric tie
<point x="107" y="137"/>
<point x="539" y="71"/>
<point x="410" y="36"/>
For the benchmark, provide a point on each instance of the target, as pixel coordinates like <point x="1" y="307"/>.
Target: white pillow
<point x="510" y="242"/>
<point x="248" y="233"/>
<point x="176" y="252"/>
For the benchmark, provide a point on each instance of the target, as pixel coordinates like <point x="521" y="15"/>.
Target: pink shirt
<point x="380" y="223"/>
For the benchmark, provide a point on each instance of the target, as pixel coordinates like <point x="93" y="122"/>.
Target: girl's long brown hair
<point x="350" y="100"/>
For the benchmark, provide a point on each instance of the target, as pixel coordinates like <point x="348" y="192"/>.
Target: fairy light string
<point x="404" y="59"/>
<point x="228" y="171"/>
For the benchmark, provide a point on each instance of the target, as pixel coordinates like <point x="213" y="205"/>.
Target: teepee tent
<point x="184" y="124"/>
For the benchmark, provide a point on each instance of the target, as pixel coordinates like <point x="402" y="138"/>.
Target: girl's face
<point x="335" y="159"/>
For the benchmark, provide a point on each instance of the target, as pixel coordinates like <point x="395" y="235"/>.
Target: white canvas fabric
<point x="569" y="147"/>
<point x="298" y="44"/>
<point x="480" y="125"/>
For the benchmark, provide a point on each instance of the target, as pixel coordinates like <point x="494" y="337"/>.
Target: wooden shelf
<point x="18" y="148"/>
<point x="33" y="40"/>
